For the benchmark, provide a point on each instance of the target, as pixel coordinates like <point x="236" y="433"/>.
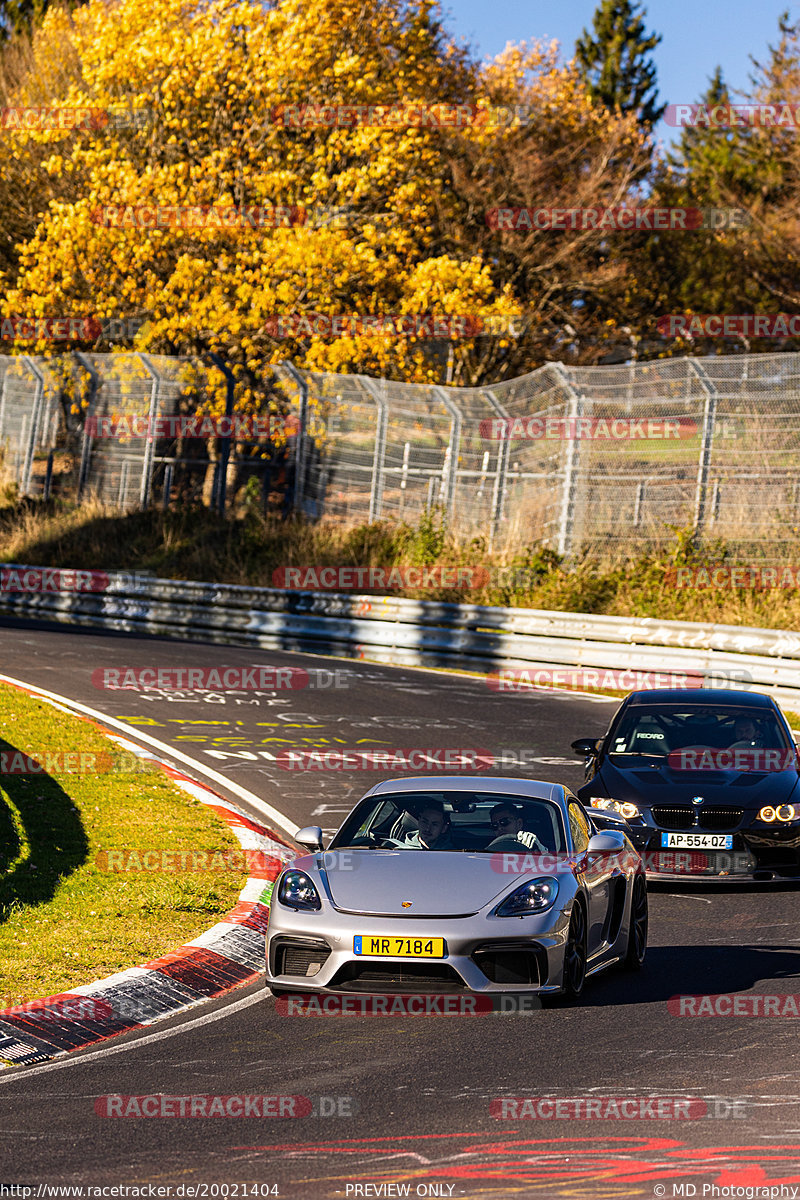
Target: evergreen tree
<point x="614" y="61"/>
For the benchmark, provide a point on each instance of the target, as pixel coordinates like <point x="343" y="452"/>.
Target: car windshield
<point x="461" y="821"/>
<point x="655" y="730"/>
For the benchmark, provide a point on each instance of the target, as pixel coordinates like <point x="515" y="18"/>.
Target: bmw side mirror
<point x="585" y="746"/>
<point x="310" y="837"/>
<point x="607" y="842"/>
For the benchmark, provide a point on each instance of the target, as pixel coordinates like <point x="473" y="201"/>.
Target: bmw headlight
<point x="623" y="807"/>
<point x="783" y="812"/>
<point x="537" y="895"/>
<point x="297" y="890"/>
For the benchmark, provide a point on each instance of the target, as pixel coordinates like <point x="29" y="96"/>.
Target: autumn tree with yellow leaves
<point x="221" y="93"/>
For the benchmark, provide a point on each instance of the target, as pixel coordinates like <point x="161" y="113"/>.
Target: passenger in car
<point x="507" y="822"/>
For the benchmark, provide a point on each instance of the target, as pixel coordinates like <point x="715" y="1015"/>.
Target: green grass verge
<point x="65" y="921"/>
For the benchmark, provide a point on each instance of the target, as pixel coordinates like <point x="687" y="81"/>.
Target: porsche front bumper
<point x="314" y="952"/>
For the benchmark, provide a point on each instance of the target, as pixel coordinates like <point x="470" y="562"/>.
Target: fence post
<point x="168" y="476"/>
<point x="501" y="474"/>
<point x="33" y="432"/>
<point x="225" y="452"/>
<point x="404" y="471"/>
<point x="376" y="490"/>
<point x="637" y="504"/>
<point x="149" y="446"/>
<point x="453" y="448"/>
<point x="566" y="523"/>
<point x="48" y="478"/>
<point x="124" y="472"/>
<point x="86" y="444"/>
<point x="300" y="446"/>
<point x="709" y="421"/>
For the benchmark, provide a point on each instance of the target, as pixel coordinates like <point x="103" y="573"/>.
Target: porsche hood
<point x="418" y="883"/>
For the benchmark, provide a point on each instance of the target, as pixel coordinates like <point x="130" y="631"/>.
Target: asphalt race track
<point x="411" y="1096"/>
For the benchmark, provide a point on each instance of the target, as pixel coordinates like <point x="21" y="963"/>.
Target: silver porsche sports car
<point x="459" y="883"/>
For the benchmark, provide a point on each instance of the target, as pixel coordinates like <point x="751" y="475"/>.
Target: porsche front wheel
<point x="637" y="930"/>
<point x="575" y="954"/>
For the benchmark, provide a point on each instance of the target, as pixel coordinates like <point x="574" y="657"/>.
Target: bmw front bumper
<point x="758" y="852"/>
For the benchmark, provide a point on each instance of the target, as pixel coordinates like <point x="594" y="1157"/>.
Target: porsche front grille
<point x="510" y="964"/>
<point x="397" y="977"/>
<point x="299" y="958"/>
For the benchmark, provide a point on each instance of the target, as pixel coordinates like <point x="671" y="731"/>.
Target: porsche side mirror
<point x="607" y="842"/>
<point x="585" y="746"/>
<point x="310" y="837"/>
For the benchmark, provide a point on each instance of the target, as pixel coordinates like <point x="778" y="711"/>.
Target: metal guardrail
<point x="422" y="633"/>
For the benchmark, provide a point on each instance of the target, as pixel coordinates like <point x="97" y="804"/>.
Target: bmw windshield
<point x="659" y="730"/>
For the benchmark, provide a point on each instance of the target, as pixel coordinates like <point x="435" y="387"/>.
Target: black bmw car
<point x="708" y="781"/>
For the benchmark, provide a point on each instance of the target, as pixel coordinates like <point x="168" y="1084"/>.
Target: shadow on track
<point x="696" y="970"/>
<point x="56" y="840"/>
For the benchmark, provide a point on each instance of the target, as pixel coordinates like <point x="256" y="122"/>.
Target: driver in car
<point x="434" y="831"/>
<point x="745" y="734"/>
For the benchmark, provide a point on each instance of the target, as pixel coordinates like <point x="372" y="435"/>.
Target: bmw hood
<point x="654" y="783"/>
<point x="429" y="883"/>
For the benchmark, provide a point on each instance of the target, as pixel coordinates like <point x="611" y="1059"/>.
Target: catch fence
<point x="566" y="456"/>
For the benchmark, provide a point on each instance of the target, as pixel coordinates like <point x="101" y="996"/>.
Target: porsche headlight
<point x="623" y="807"/>
<point x="537" y="895"/>
<point x="784" y="813"/>
<point x="297" y="890"/>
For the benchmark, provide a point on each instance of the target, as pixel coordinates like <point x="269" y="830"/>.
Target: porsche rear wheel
<point x="637" y="932"/>
<point x="575" y="954"/>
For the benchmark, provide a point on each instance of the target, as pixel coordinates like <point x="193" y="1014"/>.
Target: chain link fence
<point x="567" y="456"/>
